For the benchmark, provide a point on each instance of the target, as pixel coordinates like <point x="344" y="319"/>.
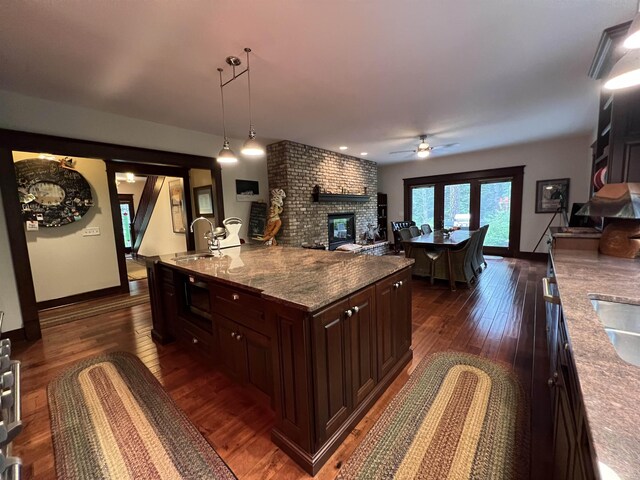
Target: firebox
<point x="342" y="229"/>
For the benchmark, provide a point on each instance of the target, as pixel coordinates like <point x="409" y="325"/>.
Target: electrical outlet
<point x="91" y="231"/>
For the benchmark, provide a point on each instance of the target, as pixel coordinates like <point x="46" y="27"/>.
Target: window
<point x="422" y="203"/>
<point x="469" y="200"/>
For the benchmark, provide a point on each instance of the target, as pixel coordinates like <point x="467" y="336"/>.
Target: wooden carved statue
<point x="273" y="223"/>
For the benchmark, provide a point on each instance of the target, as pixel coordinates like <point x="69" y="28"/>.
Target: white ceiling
<point x="370" y="74"/>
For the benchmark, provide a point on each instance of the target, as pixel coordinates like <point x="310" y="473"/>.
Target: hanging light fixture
<point x="625" y="73"/>
<point x="226" y="155"/>
<point x="252" y="147"/>
<point x="130" y="178"/>
<point x="633" y="38"/>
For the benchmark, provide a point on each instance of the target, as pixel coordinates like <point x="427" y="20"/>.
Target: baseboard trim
<point x="534" y="256"/>
<point x="17" y="335"/>
<point x="80" y="297"/>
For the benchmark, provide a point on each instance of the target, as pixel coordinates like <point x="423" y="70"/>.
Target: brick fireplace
<point x="298" y="168"/>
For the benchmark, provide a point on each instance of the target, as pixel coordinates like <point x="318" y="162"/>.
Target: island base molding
<point x="312" y="463"/>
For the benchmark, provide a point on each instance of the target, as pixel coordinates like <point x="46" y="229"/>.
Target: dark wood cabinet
<point x="331" y="369"/>
<point x="617" y="145"/>
<point x="362" y="344"/>
<point x="393" y="320"/>
<point x="572" y="449"/>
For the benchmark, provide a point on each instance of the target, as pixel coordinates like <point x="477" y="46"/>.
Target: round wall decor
<point x="51" y="194"/>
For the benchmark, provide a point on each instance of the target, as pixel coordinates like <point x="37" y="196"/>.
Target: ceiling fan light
<point x="226" y="155"/>
<point x="252" y="147"/>
<point x="625" y="73"/>
<point x="423" y="153"/>
<point x="633" y="38"/>
<point x="423" y="146"/>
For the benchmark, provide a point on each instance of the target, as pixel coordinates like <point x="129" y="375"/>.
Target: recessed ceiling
<point x="372" y="74"/>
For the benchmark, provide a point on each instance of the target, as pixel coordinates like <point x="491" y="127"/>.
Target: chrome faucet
<point x="201" y="218"/>
<point x="213" y="236"/>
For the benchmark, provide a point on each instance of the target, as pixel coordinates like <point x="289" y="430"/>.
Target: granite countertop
<point x="298" y="277"/>
<point x="575" y="232"/>
<point x="610" y="386"/>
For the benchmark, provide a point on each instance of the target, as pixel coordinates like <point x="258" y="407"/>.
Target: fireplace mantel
<point x="339" y="197"/>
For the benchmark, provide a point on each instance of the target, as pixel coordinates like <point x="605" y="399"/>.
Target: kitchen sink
<point x="621" y="321"/>
<point x="195" y="256"/>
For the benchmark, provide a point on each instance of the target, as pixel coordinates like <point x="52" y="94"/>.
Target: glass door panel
<point x="457" y="206"/>
<point x="125" y="215"/>
<point x="495" y="210"/>
<point x="422" y="205"/>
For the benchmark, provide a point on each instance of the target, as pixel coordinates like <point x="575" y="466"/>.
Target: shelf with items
<point x="382" y="215"/>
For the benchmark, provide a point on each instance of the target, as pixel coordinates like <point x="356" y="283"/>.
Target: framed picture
<point x="247" y="190"/>
<point x="203" y="198"/>
<point x="176" y="197"/>
<point x="552" y="195"/>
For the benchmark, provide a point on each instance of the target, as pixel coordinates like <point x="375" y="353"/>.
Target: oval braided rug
<point x="111" y="419"/>
<point x="458" y="417"/>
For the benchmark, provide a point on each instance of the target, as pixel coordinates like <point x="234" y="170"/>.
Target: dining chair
<point x="478" y="260"/>
<point x="425" y="261"/>
<point x="461" y="267"/>
<point x="415" y="231"/>
<point x="426" y="229"/>
<point x="405" y="234"/>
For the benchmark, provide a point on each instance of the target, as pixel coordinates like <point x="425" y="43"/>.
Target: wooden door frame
<point x="13" y="140"/>
<point x="516" y="174"/>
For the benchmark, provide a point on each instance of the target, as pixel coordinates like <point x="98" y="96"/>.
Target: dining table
<point x="438" y="240"/>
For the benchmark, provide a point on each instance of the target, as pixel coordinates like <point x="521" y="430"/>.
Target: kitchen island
<point x="320" y="335"/>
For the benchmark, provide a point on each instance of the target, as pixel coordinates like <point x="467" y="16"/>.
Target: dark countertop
<point x="610" y="386"/>
<point x="298" y="277"/>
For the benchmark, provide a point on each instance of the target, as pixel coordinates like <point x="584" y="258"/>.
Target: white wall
<point x="63" y="261"/>
<point x="249" y="169"/>
<point x="159" y="238"/>
<point x="29" y="114"/>
<point x="559" y="158"/>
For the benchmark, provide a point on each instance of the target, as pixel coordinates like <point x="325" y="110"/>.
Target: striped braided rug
<point x="111" y="419"/>
<point x="458" y="417"/>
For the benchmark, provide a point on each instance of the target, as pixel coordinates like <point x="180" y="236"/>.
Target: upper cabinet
<point x="616" y="151"/>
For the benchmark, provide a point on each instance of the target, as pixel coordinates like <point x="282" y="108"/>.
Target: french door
<point x="468" y="201"/>
<point x="126" y="217"/>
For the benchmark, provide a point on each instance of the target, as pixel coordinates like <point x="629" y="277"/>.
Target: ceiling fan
<point x="424" y="149"/>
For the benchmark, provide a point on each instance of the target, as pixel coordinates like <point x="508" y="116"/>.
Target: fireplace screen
<point x="341" y="229"/>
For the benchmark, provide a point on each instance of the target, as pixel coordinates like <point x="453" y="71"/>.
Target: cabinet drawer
<point x="239" y="306"/>
<point x="196" y="338"/>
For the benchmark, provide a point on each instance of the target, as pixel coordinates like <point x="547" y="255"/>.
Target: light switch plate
<point x="91" y="231"/>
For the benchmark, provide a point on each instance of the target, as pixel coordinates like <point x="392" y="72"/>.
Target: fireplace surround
<point x="341" y="228"/>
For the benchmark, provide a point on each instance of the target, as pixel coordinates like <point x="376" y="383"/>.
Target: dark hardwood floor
<point x="495" y="319"/>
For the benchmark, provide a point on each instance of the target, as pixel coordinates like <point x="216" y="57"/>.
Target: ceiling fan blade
<point x="448" y="145"/>
<point x="402" y="151"/>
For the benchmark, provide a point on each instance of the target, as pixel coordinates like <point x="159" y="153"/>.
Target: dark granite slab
<point x="299" y="277"/>
<point x="610" y="386"/>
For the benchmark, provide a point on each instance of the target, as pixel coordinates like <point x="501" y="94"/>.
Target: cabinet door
<point x="170" y="306"/>
<point x="258" y="355"/>
<point x="385" y="333"/>
<point x="564" y="443"/>
<point x="402" y="316"/>
<point x="231" y="351"/>
<point x="362" y="337"/>
<point x="331" y="360"/>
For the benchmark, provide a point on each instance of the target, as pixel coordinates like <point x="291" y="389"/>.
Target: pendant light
<point x="251" y="148"/>
<point x="625" y="73"/>
<point x="633" y="38"/>
<point x="226" y="155"/>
